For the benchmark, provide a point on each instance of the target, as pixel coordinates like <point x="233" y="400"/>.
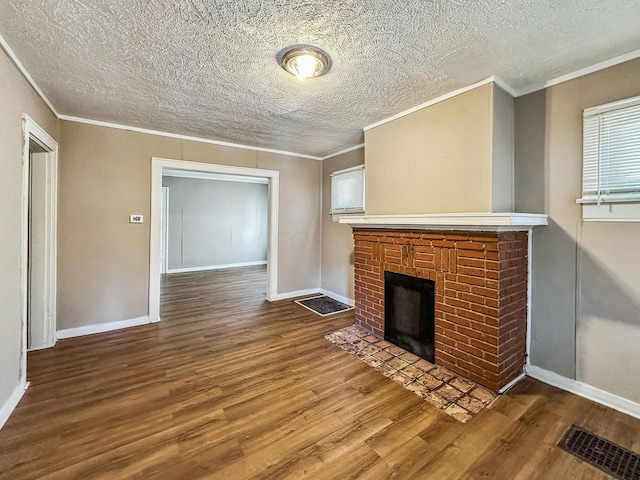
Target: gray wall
<point x="105" y="175"/>
<point x="502" y="194"/>
<point x="215" y="223"/>
<point x="586" y="280"/>
<point x="529" y="125"/>
<point x="16" y="98"/>
<point x="337" y="239"/>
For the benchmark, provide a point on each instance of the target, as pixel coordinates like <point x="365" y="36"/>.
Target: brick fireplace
<point x="480" y="293"/>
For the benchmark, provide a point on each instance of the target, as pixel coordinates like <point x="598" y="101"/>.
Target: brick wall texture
<point x="480" y="294"/>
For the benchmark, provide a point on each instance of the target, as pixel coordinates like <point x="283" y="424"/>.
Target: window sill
<point x="611" y="212"/>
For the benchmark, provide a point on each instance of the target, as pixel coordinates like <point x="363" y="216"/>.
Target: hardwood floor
<point x="229" y="386"/>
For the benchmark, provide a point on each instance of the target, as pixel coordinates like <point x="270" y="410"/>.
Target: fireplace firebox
<point x="409" y="318"/>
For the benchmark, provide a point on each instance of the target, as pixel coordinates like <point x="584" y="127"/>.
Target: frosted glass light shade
<point x="304" y="61"/>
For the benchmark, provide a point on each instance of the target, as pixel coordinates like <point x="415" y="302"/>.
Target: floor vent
<point x="619" y="462"/>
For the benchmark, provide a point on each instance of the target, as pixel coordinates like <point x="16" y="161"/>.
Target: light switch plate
<point x="136" y="218"/>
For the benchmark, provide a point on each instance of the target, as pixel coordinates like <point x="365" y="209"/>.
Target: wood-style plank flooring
<point x="230" y="386"/>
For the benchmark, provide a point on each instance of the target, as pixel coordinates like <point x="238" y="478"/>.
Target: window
<point x="347" y="190"/>
<point x="611" y="161"/>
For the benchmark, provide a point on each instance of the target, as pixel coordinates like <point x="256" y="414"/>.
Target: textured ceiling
<point x="207" y="68"/>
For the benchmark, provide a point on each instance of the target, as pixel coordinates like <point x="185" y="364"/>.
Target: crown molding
<point x="16" y="61"/>
<point x="442" y="98"/>
<point x="346" y="150"/>
<point x="505" y="86"/>
<point x="495" y="79"/>
<point x="117" y="126"/>
<point x="583" y="71"/>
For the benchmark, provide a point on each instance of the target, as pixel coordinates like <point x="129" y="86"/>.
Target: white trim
<point x="341" y="152"/>
<point x="497" y="80"/>
<point x="583" y="71"/>
<point x="505" y="86"/>
<point x="12" y="402"/>
<point x="509" y="385"/>
<point x="102" y="327"/>
<point x="213" y="176"/>
<point x="43" y="346"/>
<point x="5" y="46"/>
<point x="349" y="301"/>
<point x="14" y="58"/>
<point x="594" y="68"/>
<point x="442" y="98"/>
<point x="608" y="107"/>
<point x="164" y="230"/>
<point x="473" y="221"/>
<point x="606" y="199"/>
<point x="294" y="294"/>
<point x="215" y="267"/>
<point x="321" y="221"/>
<point x="32" y="131"/>
<point x="157" y="167"/>
<point x="529" y="291"/>
<point x="118" y="126"/>
<point x="357" y="168"/>
<point x="585" y="390"/>
<point x="611" y="212"/>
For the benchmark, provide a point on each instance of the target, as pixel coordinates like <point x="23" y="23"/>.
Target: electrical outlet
<point x="135" y="218"/>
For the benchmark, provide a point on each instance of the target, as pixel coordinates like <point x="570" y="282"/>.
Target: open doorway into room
<point x="39" y="232"/>
<point x="213" y="230"/>
<point x="214" y="239"/>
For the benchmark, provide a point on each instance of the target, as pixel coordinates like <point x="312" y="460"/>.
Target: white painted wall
<point x="215" y="223"/>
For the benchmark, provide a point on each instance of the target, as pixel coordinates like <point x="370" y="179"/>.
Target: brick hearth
<point x="480" y="294"/>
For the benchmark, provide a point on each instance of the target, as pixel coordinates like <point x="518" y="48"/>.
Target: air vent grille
<point x="619" y="462"/>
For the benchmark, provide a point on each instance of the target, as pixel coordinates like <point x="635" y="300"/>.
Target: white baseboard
<point x="297" y="293"/>
<point x="103" y="327"/>
<point x="12" y="402"/>
<point x="585" y="390"/>
<point x="349" y="301"/>
<point x="511" y="383"/>
<point x="42" y="347"/>
<point x="215" y="267"/>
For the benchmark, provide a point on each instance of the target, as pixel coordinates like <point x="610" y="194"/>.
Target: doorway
<point x="212" y="221"/>
<point x="159" y="166"/>
<point x="39" y="233"/>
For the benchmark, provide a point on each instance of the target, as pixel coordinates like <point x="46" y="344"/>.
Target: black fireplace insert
<point x="409" y="313"/>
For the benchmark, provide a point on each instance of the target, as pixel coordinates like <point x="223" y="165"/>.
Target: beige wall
<point x="435" y="160"/>
<point x="16" y="98"/>
<point x="105" y="176"/>
<point x="337" y="239"/>
<point x="586" y="286"/>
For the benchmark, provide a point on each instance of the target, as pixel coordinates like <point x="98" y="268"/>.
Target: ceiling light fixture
<point x="304" y="61"/>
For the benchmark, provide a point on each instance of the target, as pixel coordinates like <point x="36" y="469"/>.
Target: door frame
<point x="31" y="131"/>
<point x="158" y="164"/>
<point x="164" y="231"/>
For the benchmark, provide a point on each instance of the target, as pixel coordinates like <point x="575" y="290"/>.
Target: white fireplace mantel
<point x="475" y="221"/>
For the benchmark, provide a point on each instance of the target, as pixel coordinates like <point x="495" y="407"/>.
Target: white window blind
<point x="347" y="190"/>
<point x="611" y="153"/>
